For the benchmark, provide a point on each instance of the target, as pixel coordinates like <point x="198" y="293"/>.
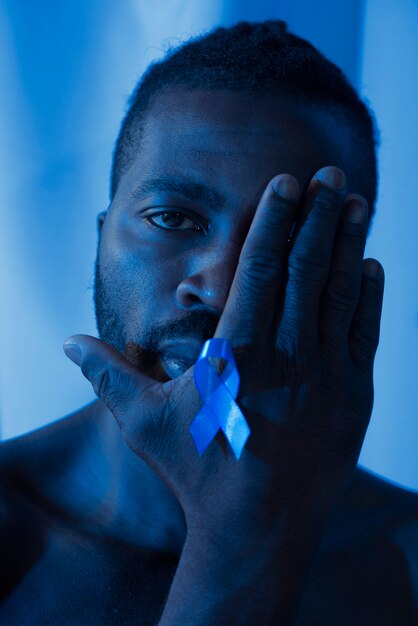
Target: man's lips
<point x="179" y="356"/>
<point x="184" y="350"/>
<point x="174" y="367"/>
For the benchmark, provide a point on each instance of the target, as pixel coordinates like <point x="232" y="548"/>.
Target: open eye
<point x="173" y="220"/>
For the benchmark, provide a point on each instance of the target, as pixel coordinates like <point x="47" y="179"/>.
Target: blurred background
<point x="66" y="71"/>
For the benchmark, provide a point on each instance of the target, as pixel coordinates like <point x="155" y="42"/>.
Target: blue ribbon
<point x="218" y="392"/>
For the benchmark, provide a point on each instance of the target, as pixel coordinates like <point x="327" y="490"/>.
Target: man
<point x="243" y="185"/>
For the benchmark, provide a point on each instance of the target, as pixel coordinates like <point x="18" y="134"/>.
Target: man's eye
<point x="173" y="220"/>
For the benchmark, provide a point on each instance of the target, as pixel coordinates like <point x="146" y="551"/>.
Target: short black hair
<point x="256" y="58"/>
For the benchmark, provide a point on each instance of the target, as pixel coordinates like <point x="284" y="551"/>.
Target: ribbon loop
<point x="218" y="392"/>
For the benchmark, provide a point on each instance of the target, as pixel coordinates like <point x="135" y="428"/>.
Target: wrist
<point x="260" y="583"/>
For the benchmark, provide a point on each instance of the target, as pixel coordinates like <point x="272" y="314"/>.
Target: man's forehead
<point x="214" y="113"/>
<point x="217" y="130"/>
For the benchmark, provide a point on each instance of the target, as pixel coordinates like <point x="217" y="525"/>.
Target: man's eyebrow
<point x="193" y="190"/>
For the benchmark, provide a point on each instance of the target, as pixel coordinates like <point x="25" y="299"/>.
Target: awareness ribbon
<point x="218" y="392"/>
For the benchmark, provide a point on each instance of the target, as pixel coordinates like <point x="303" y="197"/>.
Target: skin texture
<point x="118" y="500"/>
<point x="227" y="149"/>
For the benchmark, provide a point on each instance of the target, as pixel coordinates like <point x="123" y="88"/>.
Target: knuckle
<point x="365" y="338"/>
<point x="363" y="350"/>
<point x="260" y="267"/>
<point x="280" y="213"/>
<point x="372" y="293"/>
<point x="338" y="306"/>
<point x="342" y="293"/>
<point x="113" y="387"/>
<point x="103" y="384"/>
<point x="369" y="337"/>
<point x="312" y="267"/>
<point x="327" y="203"/>
<point x="352" y="239"/>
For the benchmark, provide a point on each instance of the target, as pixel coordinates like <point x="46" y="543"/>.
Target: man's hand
<point x="303" y="319"/>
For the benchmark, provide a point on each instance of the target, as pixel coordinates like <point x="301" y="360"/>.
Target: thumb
<point x="114" y="379"/>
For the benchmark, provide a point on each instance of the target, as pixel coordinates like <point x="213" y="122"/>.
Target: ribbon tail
<point x="204" y="428"/>
<point x="231" y="419"/>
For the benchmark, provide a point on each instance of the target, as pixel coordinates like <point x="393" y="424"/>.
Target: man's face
<point x="170" y="242"/>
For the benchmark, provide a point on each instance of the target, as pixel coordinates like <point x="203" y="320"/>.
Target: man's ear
<point x="100" y="221"/>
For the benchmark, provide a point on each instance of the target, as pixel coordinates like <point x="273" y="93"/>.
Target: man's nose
<point x="210" y="278"/>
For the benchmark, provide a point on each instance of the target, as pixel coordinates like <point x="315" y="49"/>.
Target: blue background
<point x="66" y="70"/>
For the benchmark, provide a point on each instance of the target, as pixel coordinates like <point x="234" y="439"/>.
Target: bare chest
<point x="63" y="577"/>
<point x="73" y="579"/>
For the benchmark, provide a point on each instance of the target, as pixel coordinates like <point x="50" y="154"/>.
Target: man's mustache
<point x="145" y="354"/>
<point x="197" y="325"/>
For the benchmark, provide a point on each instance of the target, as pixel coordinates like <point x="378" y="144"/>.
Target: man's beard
<point x="142" y="350"/>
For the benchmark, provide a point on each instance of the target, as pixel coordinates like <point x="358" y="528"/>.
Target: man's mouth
<point x="177" y="357"/>
<point x="175" y="367"/>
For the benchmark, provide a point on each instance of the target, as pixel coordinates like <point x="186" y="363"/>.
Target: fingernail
<point x="356" y="211"/>
<point x="72" y="350"/>
<point x="332" y="177"/>
<point x="374" y="269"/>
<point x="287" y="188"/>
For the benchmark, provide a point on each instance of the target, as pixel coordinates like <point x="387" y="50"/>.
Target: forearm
<point x="227" y="588"/>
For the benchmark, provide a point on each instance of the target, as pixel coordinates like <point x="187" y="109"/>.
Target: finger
<point x="342" y="290"/>
<point x="309" y="261"/>
<point x="250" y="309"/>
<point x="114" y="380"/>
<point x="365" y="327"/>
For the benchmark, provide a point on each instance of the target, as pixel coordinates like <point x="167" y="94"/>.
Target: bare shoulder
<point x="380" y="512"/>
<point x="32" y="463"/>
<point x="393" y="514"/>
<point x="384" y="505"/>
<point x="20" y="527"/>
<point x="366" y="570"/>
<point x="29" y="466"/>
